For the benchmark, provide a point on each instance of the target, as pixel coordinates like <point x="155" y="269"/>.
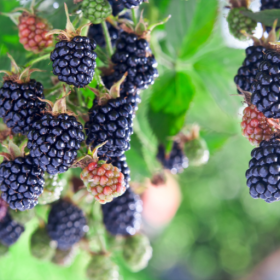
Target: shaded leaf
<point x="267" y="17"/>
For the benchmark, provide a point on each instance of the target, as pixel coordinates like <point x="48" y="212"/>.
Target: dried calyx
<point x="142" y="29"/>
<point x="59" y="107"/>
<point x="103" y="94"/>
<point x="14" y="151"/>
<point x="91" y="159"/>
<point x="187" y="135"/>
<point x="17" y="74"/>
<point x="70" y="31"/>
<point x="4" y="132"/>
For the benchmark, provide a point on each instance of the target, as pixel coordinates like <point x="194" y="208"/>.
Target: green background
<point x="219" y="231"/>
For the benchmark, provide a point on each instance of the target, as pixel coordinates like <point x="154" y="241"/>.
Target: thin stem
<point x="80" y="99"/>
<point x="107" y="38"/>
<point x="38" y="59"/>
<point x="134" y="16"/>
<point x="98" y="78"/>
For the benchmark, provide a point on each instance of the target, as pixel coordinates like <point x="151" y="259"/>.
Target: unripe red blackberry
<point x="104" y="181"/>
<point x="175" y="161"/>
<point x="121" y="164"/>
<point x="265" y="89"/>
<point x="73" y="56"/>
<point x="19" y="103"/>
<point x="263" y="173"/>
<point x="54" y="141"/>
<point x="255" y="126"/>
<point x="10" y="231"/>
<point x="122" y="216"/>
<point x="247" y="72"/>
<point x="66" y="224"/>
<point x="32" y="32"/>
<point x="21" y="183"/>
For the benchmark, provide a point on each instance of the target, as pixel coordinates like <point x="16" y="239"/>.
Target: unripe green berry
<point x="137" y="252"/>
<point x="238" y="22"/>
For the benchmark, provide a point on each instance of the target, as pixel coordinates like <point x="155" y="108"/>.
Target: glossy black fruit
<point x="20" y="106"/>
<point x="54" y="142"/>
<point x="263" y="174"/>
<point x="112" y="123"/>
<point x="122" y="216"/>
<point x="265" y="88"/>
<point x="21" y="183"/>
<point x="10" y="231"/>
<point x="74" y="61"/>
<point x="247" y="72"/>
<point x="66" y="224"/>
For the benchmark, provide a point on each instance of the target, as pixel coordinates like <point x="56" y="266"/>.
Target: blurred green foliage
<point x="219" y="232"/>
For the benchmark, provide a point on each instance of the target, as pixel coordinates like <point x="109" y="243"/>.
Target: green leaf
<point x="201" y="27"/>
<point x="182" y="12"/>
<point x="170" y="101"/>
<point x="215" y="141"/>
<point x="267" y="17"/>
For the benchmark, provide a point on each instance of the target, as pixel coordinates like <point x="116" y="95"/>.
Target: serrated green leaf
<point x="267" y="17"/>
<point x="201" y="27"/>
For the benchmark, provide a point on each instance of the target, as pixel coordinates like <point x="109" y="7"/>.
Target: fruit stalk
<point x="107" y="38"/>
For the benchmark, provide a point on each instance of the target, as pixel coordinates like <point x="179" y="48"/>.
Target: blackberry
<point x="268" y="5"/>
<point x="10" y="231"/>
<point x="111" y="122"/>
<point x="95" y="32"/>
<point x="66" y="224"/>
<point x="247" y="72"/>
<point x="127" y="91"/>
<point x="21" y="183"/>
<point x="121" y="164"/>
<point x="54" y="141"/>
<point x="263" y="173"/>
<point x="129" y="4"/>
<point x="117" y="7"/>
<point x="134" y="56"/>
<point x="265" y="89"/>
<point x="176" y="161"/>
<point x="74" y="61"/>
<point x="122" y="216"/>
<point x="19" y="104"/>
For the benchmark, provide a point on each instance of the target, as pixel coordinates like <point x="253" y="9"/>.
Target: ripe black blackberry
<point x="247" y="72"/>
<point x="122" y="216"/>
<point x="111" y="122"/>
<point x="121" y="4"/>
<point x="263" y="173"/>
<point x="10" y="231"/>
<point x="54" y="141"/>
<point x="21" y="183"/>
<point x="133" y="55"/>
<point x="95" y="32"/>
<point x="127" y="91"/>
<point x="268" y="5"/>
<point x="74" y="61"/>
<point x="121" y="164"/>
<point x="117" y="7"/>
<point x="265" y="89"/>
<point x="66" y="224"/>
<point x="19" y="103"/>
<point x="175" y="161"/>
